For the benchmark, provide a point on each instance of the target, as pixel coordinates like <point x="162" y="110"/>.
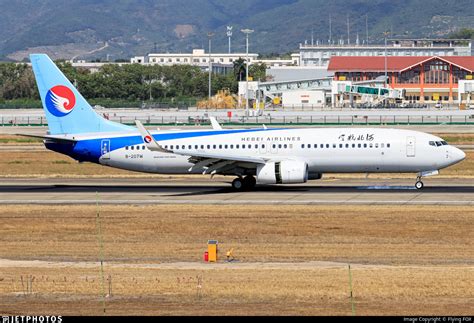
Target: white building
<point x="320" y="54"/>
<point x="197" y="58"/>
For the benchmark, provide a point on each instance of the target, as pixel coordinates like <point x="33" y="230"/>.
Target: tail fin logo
<point x="147" y="139"/>
<point x="60" y="100"/>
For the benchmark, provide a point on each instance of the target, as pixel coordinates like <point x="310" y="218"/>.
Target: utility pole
<point x="330" y="30"/>
<point x="209" y="35"/>
<point x="385" y="62"/>
<point x="367" y="29"/>
<point x="348" y="31"/>
<point x="229" y="34"/>
<point x="247" y="32"/>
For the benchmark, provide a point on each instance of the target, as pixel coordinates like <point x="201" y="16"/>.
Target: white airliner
<point x="253" y="156"/>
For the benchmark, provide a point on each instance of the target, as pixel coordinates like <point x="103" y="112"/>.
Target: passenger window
<point x="214" y="146"/>
<point x="220" y="146"/>
<point x="279" y="145"/>
<point x="302" y="145"/>
<point x="208" y="146"/>
<point x="243" y="146"/>
<point x="237" y="146"/>
<point x="388" y="145"/>
<point x="126" y="147"/>
<point x="371" y="145"/>
<point x="334" y="146"/>
<point x="432" y="143"/>
<point x="376" y="145"/>
<point x="132" y="147"/>
<point x="382" y="145"/>
<point x="365" y="145"/>
<point x="315" y="146"/>
<point x="285" y="146"/>
<point x="263" y="146"/>
<point x="353" y="145"/>
<point x="231" y="146"/>
<point x="183" y="147"/>
<point x="347" y="145"/>
<point x="256" y="146"/>
<point x="327" y="145"/>
<point x="225" y="146"/>
<point x="274" y="146"/>
<point x="340" y="145"/>
<point x="359" y="145"/>
<point x="321" y="146"/>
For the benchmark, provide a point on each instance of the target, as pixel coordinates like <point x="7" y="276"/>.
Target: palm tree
<point x="239" y="68"/>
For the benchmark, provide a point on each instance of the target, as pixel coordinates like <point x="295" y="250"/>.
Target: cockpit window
<point x="438" y="143"/>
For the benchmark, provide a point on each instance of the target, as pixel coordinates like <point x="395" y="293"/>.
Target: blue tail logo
<point x="65" y="108"/>
<point x="60" y="100"/>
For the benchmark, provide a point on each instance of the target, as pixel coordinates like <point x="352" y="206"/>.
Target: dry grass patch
<point x="356" y="234"/>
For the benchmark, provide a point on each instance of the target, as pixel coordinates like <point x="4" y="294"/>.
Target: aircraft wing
<point x="210" y="163"/>
<point x="214" y="163"/>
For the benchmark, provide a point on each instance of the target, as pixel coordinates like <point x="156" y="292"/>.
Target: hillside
<point x="121" y="28"/>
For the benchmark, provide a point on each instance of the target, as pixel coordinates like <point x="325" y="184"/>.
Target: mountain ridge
<point x="134" y="27"/>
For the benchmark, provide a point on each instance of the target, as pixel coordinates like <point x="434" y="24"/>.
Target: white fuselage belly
<point x="349" y="150"/>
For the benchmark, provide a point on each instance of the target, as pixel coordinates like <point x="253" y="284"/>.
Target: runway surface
<point x="192" y="191"/>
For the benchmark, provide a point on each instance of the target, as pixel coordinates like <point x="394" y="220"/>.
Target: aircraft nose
<point x="458" y="154"/>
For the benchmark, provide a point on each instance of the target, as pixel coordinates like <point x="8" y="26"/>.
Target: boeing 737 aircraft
<point x="263" y="156"/>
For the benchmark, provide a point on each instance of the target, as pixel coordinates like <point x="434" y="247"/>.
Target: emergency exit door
<point x="411" y="143"/>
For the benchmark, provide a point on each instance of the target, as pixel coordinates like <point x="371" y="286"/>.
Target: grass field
<point x="406" y="260"/>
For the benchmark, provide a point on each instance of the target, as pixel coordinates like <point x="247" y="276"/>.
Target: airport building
<point x="320" y="54"/>
<point x="197" y="58"/>
<point x="423" y="78"/>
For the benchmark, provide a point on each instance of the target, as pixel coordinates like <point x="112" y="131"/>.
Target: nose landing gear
<point x="419" y="184"/>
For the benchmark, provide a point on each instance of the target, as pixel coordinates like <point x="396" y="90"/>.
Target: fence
<point x="268" y="120"/>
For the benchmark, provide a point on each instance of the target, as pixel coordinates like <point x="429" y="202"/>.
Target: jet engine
<point x="284" y="172"/>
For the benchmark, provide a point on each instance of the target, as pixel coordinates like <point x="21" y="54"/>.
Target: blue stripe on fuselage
<point x="90" y="149"/>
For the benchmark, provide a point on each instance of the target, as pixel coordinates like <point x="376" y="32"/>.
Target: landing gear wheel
<point x="237" y="184"/>
<point x="419" y="185"/>
<point x="249" y="182"/>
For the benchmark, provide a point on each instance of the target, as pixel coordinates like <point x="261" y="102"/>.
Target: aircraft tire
<point x="419" y="185"/>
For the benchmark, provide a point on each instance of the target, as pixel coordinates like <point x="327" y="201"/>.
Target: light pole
<point x="247" y="32"/>
<point x="209" y="35"/>
<point x="385" y="60"/>
<point x="229" y="34"/>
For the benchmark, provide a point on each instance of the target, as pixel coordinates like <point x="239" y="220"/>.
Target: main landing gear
<point x="246" y="183"/>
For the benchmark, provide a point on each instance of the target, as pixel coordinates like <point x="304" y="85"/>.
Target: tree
<point x="239" y="69"/>
<point x="463" y="33"/>
<point x="258" y="71"/>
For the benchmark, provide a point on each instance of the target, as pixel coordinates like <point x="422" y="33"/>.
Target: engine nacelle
<point x="314" y="176"/>
<point x="284" y="172"/>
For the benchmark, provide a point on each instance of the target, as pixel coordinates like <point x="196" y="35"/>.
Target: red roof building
<point x="424" y="78"/>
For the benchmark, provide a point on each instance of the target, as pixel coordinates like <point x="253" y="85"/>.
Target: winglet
<point x="149" y="140"/>
<point x="215" y="124"/>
